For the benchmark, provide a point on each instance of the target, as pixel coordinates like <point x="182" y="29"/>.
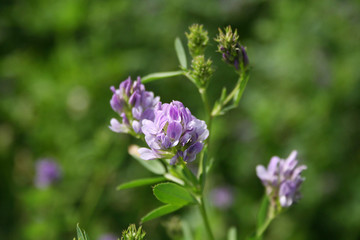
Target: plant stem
<point x="270" y="216"/>
<point x="205" y="218"/>
<point x="261" y="230"/>
<point x="205" y="100"/>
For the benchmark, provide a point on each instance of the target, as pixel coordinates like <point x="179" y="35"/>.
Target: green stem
<point x="262" y="229"/>
<point x="234" y="91"/>
<point x="205" y="100"/>
<point x="205" y="218"/>
<point x="270" y="216"/>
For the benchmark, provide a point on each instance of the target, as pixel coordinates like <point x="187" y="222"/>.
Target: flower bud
<point x="132" y="233"/>
<point x="232" y="51"/>
<point x="197" y="39"/>
<point x="201" y="70"/>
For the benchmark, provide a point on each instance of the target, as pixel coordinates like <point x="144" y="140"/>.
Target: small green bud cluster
<point x="201" y="70"/>
<point x="133" y="234"/>
<point x="197" y="40"/>
<point x="232" y="51"/>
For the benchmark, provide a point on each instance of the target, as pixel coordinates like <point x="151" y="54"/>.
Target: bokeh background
<point x="59" y="58"/>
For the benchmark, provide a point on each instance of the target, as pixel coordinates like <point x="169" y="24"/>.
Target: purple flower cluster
<point x="47" y="173"/>
<point x="174" y="133"/>
<point x="234" y="57"/>
<point x="133" y="104"/>
<point x="222" y="197"/>
<point x="282" y="179"/>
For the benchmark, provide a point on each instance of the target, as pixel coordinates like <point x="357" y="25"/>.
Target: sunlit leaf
<point x="161" y="211"/>
<point x="155" y="76"/>
<point x="81" y="234"/>
<point x="173" y="194"/>
<point x="180" y="52"/>
<point x="140" y="182"/>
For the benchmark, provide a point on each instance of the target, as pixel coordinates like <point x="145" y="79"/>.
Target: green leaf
<point x="173" y="194"/>
<point x="262" y="215"/>
<point x="154" y="166"/>
<point x="154" y="76"/>
<point x="140" y="182"/>
<point x="232" y="234"/>
<point x="81" y="234"/>
<point x="180" y="52"/>
<point x="161" y="211"/>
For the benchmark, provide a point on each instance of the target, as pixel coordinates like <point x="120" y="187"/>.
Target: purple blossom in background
<point x="173" y="133"/>
<point x="222" y="197"/>
<point x="282" y="179"/>
<point x="108" y="236"/>
<point x="133" y="104"/>
<point x="47" y="172"/>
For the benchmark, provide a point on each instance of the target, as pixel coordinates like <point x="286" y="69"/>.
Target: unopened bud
<point x="232" y="51"/>
<point x="202" y="70"/>
<point x="197" y="39"/>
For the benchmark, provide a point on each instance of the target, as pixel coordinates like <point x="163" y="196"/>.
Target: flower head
<point x="232" y="51"/>
<point x="282" y="179"/>
<point x="133" y="104"/>
<point x="47" y="173"/>
<point x="173" y="133"/>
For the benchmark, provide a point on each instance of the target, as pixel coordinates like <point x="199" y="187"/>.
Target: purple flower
<point x="47" y="173"/>
<point x="222" y="197"/>
<point x="133" y="104"/>
<point x="174" y="133"/>
<point x="282" y="179"/>
<point x="108" y="236"/>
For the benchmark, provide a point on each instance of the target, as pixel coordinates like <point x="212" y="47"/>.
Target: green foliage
<point x="140" y="182"/>
<point x="160" y="211"/>
<point x="81" y="234"/>
<point x="56" y="70"/>
<point x="180" y="52"/>
<point x="156" y="76"/>
<point x="173" y="194"/>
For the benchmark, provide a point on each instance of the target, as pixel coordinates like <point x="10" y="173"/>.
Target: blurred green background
<point x="59" y="58"/>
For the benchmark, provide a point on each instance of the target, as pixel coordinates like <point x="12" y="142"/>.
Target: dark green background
<point x="59" y="58"/>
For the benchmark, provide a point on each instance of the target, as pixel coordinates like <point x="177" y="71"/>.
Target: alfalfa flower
<point x="282" y="179"/>
<point x="231" y="49"/>
<point x="174" y="133"/>
<point x="134" y="104"/>
<point x="47" y="173"/>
